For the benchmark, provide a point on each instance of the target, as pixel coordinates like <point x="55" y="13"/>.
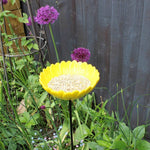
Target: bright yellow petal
<point x="69" y="68"/>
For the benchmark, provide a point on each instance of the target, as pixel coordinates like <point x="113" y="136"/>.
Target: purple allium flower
<point x="42" y="107"/>
<point x="81" y="54"/>
<point x="29" y="21"/>
<point x="4" y="1"/>
<point x="46" y="15"/>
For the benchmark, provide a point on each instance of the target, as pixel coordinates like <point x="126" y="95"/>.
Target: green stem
<point x="77" y="115"/>
<point x="86" y="119"/>
<point x="126" y="115"/>
<point x="52" y="36"/>
<point x="117" y="101"/>
<point x="137" y="114"/>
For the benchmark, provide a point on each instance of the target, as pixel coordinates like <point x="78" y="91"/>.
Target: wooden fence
<point x="118" y="34"/>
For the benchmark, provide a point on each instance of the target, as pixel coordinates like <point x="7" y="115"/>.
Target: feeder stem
<point x="70" y="113"/>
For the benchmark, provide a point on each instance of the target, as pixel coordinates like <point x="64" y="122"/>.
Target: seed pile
<point x="69" y="83"/>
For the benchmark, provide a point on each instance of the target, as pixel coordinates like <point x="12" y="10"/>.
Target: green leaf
<point x="92" y="127"/>
<point x="106" y="137"/>
<point x="139" y="132"/>
<point x="32" y="120"/>
<point x="6" y="133"/>
<point x="118" y="144"/>
<point x="78" y="136"/>
<point x="12" y="16"/>
<point x="2" y="100"/>
<point x="2" y="145"/>
<point x="9" y="43"/>
<point x="35" y="46"/>
<point x="126" y="133"/>
<point x="64" y="131"/>
<point x="104" y="143"/>
<point x="20" y="64"/>
<point x="142" y="145"/>
<point x="23" y="40"/>
<point x="94" y="146"/>
<point x="42" y="98"/>
<point x="30" y="46"/>
<point x="12" y="146"/>
<point x="1" y="21"/>
<point x="4" y="14"/>
<point x="11" y="49"/>
<point x="23" y="19"/>
<point x="24" y="117"/>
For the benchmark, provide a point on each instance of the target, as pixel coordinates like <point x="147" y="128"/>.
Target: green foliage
<point x="29" y="120"/>
<point x="29" y="43"/>
<point x="99" y="130"/>
<point x="80" y="133"/>
<point x="23" y="19"/>
<point x="11" y="137"/>
<point x="6" y="13"/>
<point x="2" y="145"/>
<point x="93" y="146"/>
<point x="64" y="131"/>
<point x="142" y="145"/>
<point x="126" y="139"/>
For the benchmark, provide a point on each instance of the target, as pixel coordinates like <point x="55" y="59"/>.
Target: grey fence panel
<point x="143" y="68"/>
<point x="118" y="33"/>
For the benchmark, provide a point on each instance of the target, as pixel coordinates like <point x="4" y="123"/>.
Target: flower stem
<point x="70" y="112"/>
<point x="52" y="36"/>
<point x="137" y="106"/>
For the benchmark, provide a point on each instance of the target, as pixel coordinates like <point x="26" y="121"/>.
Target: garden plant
<point x="46" y="106"/>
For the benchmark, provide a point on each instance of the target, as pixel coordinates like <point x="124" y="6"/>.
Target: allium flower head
<point x="29" y="21"/>
<point x="4" y="1"/>
<point x="42" y="107"/>
<point x="81" y="54"/>
<point x="46" y="15"/>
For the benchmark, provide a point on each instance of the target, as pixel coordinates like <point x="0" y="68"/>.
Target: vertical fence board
<point x="143" y="71"/>
<point x="126" y="29"/>
<point x="67" y="37"/>
<point x="102" y="43"/>
<point x="116" y="52"/>
<point x="81" y="23"/>
<point x="132" y="47"/>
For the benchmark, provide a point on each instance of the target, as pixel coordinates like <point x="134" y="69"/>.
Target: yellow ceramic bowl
<point x="69" y="68"/>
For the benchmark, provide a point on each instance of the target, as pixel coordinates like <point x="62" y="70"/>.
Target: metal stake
<point x="70" y="113"/>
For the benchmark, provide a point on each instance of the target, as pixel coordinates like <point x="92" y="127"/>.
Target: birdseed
<point x="69" y="83"/>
